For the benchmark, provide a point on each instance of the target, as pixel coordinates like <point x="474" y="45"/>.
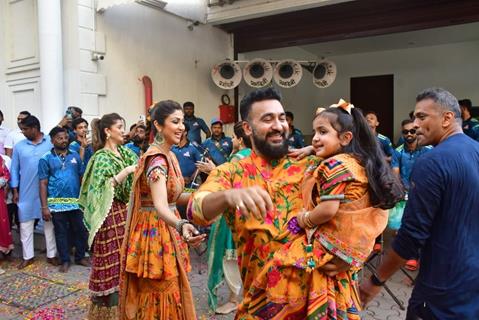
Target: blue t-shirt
<point x="296" y="139"/>
<point x="195" y="126"/>
<point x="386" y="145"/>
<point x="471" y="128"/>
<point x="219" y="150"/>
<point x="63" y="174"/>
<point x="404" y="160"/>
<point x="187" y="157"/>
<point x="133" y="147"/>
<point x="441" y="221"/>
<point x="88" y="153"/>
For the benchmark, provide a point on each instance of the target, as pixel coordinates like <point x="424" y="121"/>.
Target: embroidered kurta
<point x="350" y="234"/>
<point x="272" y="252"/>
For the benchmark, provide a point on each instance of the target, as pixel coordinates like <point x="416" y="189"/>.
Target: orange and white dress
<point x="155" y="258"/>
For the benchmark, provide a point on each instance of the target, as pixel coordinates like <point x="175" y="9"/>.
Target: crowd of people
<point x="288" y="226"/>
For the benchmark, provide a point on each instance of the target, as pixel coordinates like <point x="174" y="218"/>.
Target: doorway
<point x="376" y="93"/>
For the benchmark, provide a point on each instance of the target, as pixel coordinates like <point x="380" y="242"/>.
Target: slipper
<point x="411" y="265"/>
<point x="228" y="307"/>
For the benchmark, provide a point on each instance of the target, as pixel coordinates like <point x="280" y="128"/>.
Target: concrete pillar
<point x="51" y="62"/>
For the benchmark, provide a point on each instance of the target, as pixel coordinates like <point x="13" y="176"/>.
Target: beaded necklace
<point x="62" y="158"/>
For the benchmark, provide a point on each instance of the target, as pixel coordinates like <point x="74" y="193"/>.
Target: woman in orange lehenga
<point x="155" y="258"/>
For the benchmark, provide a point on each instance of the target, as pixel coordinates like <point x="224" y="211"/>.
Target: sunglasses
<point x="412" y="131"/>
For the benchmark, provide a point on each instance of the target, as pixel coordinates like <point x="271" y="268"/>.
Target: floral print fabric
<point x="273" y="252"/>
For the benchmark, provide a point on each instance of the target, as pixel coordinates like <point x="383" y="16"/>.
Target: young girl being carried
<point x="348" y="193"/>
<point x="346" y="197"/>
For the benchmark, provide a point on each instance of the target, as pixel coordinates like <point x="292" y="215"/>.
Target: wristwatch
<point x="375" y="280"/>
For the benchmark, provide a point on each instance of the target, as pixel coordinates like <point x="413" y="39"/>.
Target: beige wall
<point x="141" y="41"/>
<point x="454" y="67"/>
<point x="19" y="60"/>
<point x="136" y="40"/>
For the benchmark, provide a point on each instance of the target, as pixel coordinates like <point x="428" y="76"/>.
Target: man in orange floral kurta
<point x="260" y="197"/>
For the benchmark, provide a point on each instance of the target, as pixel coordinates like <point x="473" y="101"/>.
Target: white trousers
<point x="26" y="236"/>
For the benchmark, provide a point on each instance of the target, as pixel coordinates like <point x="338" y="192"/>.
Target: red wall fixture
<point x="148" y="87"/>
<point x="227" y="111"/>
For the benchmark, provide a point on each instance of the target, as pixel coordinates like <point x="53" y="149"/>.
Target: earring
<point x="159" y="139"/>
<point x="107" y="136"/>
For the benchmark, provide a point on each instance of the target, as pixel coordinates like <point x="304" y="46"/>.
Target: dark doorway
<point x="376" y="93"/>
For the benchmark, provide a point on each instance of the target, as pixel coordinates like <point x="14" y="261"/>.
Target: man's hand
<point x="334" y="267"/>
<point x="205" y="166"/>
<point x="15" y="196"/>
<point x="46" y="214"/>
<point x="367" y="291"/>
<point x="63" y="122"/>
<point x="299" y="154"/>
<point x="253" y="199"/>
<point x="83" y="141"/>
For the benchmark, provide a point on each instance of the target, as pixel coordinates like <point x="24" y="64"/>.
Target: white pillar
<point x="51" y="62"/>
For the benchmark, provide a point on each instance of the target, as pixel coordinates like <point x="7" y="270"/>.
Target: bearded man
<point x="260" y="197"/>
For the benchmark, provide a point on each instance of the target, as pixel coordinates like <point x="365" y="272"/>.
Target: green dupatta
<point x="97" y="191"/>
<point x="220" y="245"/>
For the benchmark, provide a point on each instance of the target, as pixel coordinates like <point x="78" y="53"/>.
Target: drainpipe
<point x="51" y="62"/>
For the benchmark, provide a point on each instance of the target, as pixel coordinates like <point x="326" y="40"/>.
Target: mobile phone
<point x="69" y="113"/>
<point x="142" y="117"/>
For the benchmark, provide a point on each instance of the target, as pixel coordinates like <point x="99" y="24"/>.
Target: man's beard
<point x="267" y="150"/>
<point x="410" y="140"/>
<point x="137" y="140"/>
<point x="61" y="147"/>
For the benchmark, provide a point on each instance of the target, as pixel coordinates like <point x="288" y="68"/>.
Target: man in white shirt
<point x="3" y="134"/>
<point x="15" y="136"/>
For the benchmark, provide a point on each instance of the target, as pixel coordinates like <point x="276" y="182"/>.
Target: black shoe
<point x="64" y="267"/>
<point x="84" y="262"/>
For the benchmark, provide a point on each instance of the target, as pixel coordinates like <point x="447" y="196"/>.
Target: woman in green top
<point x="222" y="258"/>
<point x="103" y="197"/>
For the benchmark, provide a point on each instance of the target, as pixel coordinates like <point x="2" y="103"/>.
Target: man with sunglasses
<point x="403" y="160"/>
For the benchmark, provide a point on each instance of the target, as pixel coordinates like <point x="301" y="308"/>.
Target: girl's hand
<point x="299" y="154"/>
<point x="192" y="236"/>
<point x="130" y="169"/>
<point x="300" y="218"/>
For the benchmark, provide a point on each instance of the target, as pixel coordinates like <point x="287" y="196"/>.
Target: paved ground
<point x="40" y="292"/>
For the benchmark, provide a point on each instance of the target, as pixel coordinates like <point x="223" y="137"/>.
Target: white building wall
<point x="454" y="67"/>
<point x="136" y="40"/>
<point x="143" y="41"/>
<point x="19" y="59"/>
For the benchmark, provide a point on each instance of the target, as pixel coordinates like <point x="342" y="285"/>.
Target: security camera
<point x="95" y="56"/>
<point x="192" y="24"/>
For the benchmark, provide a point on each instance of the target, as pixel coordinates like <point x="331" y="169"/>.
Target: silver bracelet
<point x="180" y="224"/>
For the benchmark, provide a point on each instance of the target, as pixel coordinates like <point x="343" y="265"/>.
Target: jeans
<point x="13" y="215"/>
<point x="419" y="312"/>
<point x="69" y="225"/>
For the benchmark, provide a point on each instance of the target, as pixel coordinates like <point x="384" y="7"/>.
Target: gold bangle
<point x="307" y="220"/>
